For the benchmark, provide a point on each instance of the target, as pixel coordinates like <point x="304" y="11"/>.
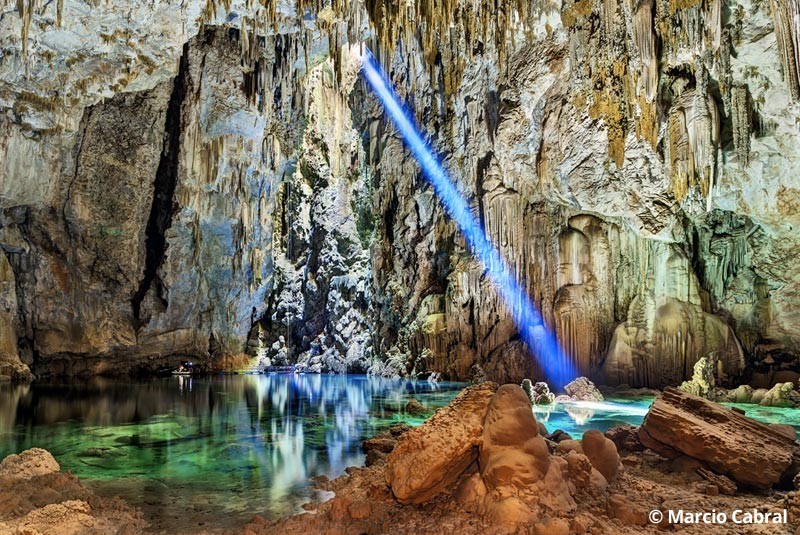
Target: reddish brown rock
<point x="429" y="458"/>
<point x="602" y="453"/>
<point x="512" y="452"/>
<point x="626" y="438"/>
<point x="524" y="481"/>
<point x="747" y="451"/>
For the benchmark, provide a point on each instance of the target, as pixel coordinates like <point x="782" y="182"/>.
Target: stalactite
<point x="786" y="16"/>
<point x="724" y="71"/>
<point x="741" y="119"/>
<point x="693" y="131"/>
<point x="645" y="41"/>
<point x="26" y="9"/>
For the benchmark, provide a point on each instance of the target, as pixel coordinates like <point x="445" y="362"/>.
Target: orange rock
<point x="569" y="445"/>
<point x="602" y="452"/>
<point x="512" y="452"/>
<point x="552" y="526"/>
<point x="429" y="458"/>
<point x="730" y="443"/>
<point x="359" y="510"/>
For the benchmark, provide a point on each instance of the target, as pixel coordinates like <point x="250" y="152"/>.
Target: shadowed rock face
<point x="638" y="174"/>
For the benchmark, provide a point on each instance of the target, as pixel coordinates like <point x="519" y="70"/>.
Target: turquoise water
<point x="577" y="418"/>
<point x="209" y="451"/>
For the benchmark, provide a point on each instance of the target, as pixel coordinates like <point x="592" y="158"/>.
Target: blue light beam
<point x="542" y="343"/>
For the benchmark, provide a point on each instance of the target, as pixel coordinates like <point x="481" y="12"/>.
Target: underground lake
<point x="212" y="451"/>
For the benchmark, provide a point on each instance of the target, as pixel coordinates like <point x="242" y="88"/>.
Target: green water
<point x="209" y="451"/>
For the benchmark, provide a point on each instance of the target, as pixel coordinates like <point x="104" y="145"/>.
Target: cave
<point x="349" y="266"/>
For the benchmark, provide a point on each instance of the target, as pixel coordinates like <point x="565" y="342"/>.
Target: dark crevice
<point x="163" y="194"/>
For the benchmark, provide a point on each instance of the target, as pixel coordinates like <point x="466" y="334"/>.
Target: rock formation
<point x="749" y="452"/>
<point x="36" y="497"/>
<point x="582" y="389"/>
<point x="430" y="458"/>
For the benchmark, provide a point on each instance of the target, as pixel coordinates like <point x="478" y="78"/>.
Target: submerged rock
<point x="747" y="451"/>
<point x="414" y="407"/>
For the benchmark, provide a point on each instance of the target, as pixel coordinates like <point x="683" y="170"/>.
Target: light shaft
<point x="542" y="343"/>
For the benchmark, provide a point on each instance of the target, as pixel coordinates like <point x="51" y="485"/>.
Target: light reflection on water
<point x="579" y="416"/>
<point x="211" y="450"/>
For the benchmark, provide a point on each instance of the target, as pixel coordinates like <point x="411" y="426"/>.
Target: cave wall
<point x="635" y="164"/>
<point x="170" y="189"/>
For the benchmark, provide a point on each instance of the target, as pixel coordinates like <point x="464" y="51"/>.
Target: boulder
<point x="758" y="395"/>
<point x="28" y="464"/>
<point x="703" y="382"/>
<point x="749" y="452"/>
<point x="785" y="429"/>
<point x="429" y="458"/>
<point x="781" y="395"/>
<point x="414" y="407"/>
<point x="512" y="452"/>
<point x="379" y="446"/>
<point x="582" y="389"/>
<point x="741" y="394"/>
<point x="602" y="453"/>
<point x="515" y="462"/>
<point x="539" y="393"/>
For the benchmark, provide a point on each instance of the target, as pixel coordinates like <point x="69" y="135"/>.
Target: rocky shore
<point x="483" y="464"/>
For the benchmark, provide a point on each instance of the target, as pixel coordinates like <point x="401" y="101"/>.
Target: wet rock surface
<point x="164" y="193"/>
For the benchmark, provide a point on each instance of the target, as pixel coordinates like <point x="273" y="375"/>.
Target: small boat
<point x="186" y="368"/>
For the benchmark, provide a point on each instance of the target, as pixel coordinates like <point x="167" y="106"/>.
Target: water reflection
<point x="199" y="449"/>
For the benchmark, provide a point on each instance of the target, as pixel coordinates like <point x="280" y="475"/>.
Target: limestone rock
<point x="429" y="458"/>
<point x="625" y="437"/>
<point x="781" y="395"/>
<point x="703" y="382"/>
<point x="28" y="464"/>
<point x="749" y="452"/>
<point x="539" y="393"/>
<point x="724" y="484"/>
<point x="602" y="452"/>
<point x="511" y="451"/>
<point x="582" y="389"/>
<point x="515" y="463"/>
<point x="414" y="407"/>
<point x="741" y="394"/>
